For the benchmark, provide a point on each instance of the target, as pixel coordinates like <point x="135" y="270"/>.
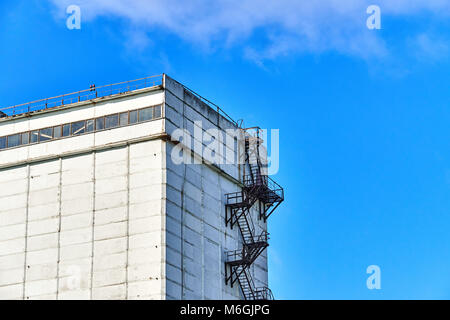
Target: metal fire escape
<point x="258" y="189"/>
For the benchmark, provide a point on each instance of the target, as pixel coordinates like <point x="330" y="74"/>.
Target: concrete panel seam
<point x="26" y="233"/>
<point x="59" y="228"/>
<point x="94" y="156"/>
<point x="128" y="222"/>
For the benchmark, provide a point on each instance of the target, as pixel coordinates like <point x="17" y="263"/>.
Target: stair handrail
<point x="250" y="282"/>
<point x="275" y="187"/>
<point x="253" y="152"/>
<point x="251" y="226"/>
<point x="264" y="293"/>
<point x="235" y="255"/>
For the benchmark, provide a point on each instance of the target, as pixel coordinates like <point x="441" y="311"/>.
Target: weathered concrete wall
<point x="197" y="238"/>
<point x="82" y="217"/>
<point x="84" y="227"/>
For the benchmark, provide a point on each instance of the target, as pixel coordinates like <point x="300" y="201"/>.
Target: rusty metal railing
<point x="85" y="95"/>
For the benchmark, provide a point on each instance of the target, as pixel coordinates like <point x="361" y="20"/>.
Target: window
<point x="100" y="123"/>
<point x="123" y="119"/>
<point x="157" y="112"/>
<point x="14" y="140"/>
<point x="25" y="138"/>
<point x="66" y="130"/>
<point x="133" y="116"/>
<point x="145" y="114"/>
<point x="34" y="136"/>
<point x="46" y="134"/>
<point x="57" y="132"/>
<point x="111" y="121"/>
<point x="78" y="127"/>
<point x="90" y="125"/>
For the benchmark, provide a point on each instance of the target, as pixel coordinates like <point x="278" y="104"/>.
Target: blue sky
<point x="363" y="117"/>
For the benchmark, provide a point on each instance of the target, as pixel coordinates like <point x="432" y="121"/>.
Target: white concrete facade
<point x="108" y="215"/>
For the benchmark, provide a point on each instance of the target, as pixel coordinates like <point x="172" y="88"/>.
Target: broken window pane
<point x="89" y="125"/>
<point x="78" y="127"/>
<point x="45" y="134"/>
<point x="34" y="136"/>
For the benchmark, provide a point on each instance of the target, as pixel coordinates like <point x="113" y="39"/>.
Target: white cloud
<point x="289" y="25"/>
<point x="429" y="48"/>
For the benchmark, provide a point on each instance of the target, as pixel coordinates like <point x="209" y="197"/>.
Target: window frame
<point x="129" y="114"/>
<point x="52" y="135"/>
<point x="143" y="110"/>
<point x="74" y="125"/>
<point x="127" y="122"/>
<point x="31" y="136"/>
<point x="19" y="136"/>
<point x="60" y="128"/>
<point x="116" y="115"/>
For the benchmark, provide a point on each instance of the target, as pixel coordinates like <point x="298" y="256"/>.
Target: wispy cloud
<point x="289" y="26"/>
<point x="429" y="47"/>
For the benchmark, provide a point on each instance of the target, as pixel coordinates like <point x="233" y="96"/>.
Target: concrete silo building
<point x="96" y="204"/>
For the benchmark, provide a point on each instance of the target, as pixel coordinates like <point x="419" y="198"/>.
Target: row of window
<point x="81" y="127"/>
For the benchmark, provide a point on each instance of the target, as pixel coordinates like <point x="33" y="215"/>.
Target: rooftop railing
<point x="85" y="95"/>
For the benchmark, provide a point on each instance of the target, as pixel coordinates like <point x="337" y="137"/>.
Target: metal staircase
<point x="249" y="289"/>
<point x="239" y="262"/>
<point x="258" y="188"/>
<point x="269" y="193"/>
